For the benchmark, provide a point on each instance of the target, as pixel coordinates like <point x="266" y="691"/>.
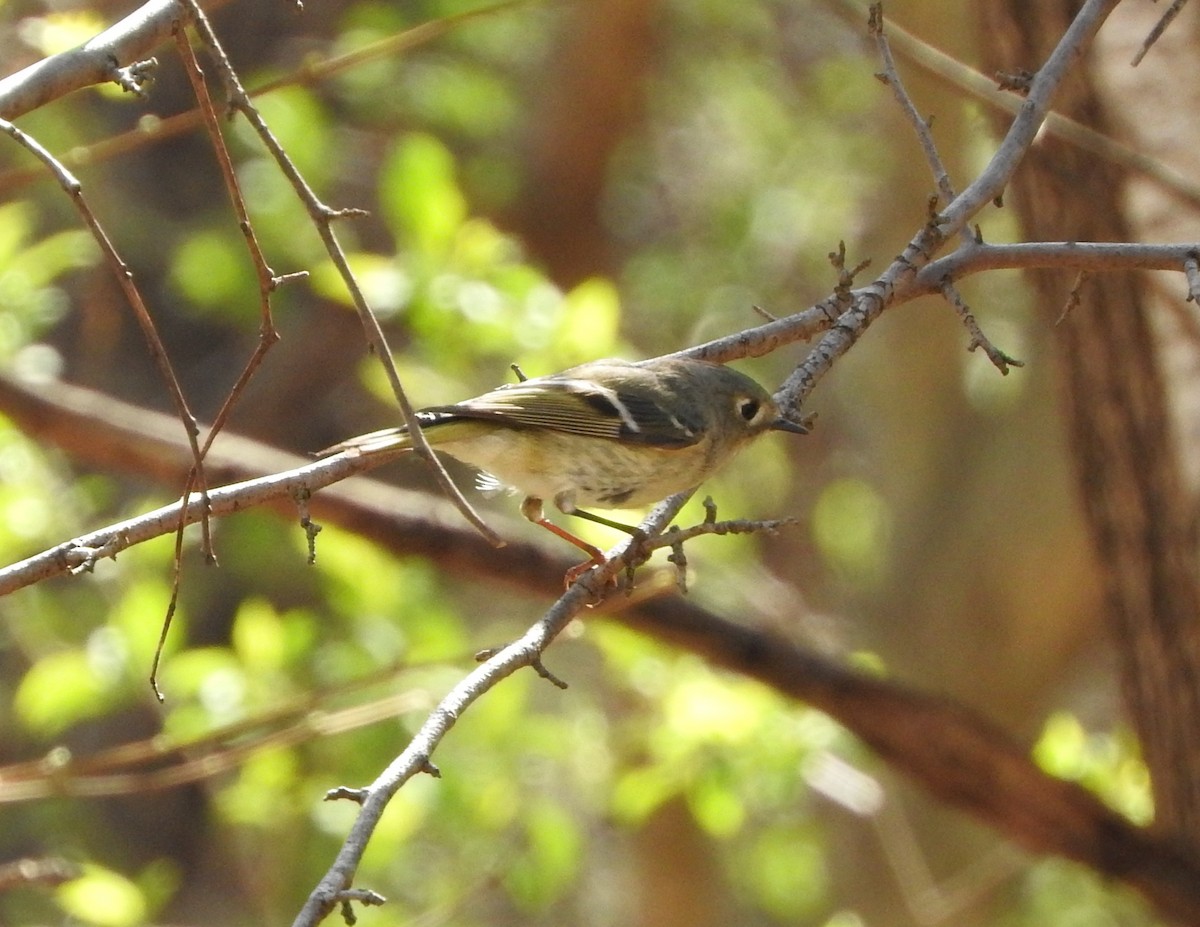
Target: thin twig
<point x="267" y="334"/>
<point x="136" y="78"/>
<point x="1074" y="297"/>
<point x="1159" y="28"/>
<point x="921" y="126"/>
<point x="901" y="276"/>
<point x="323" y="218"/>
<point x="152" y="765"/>
<point x="268" y="282"/>
<point x="999" y="359"/>
<point x="955" y="756"/>
<point x="133" y="296"/>
<point x="310" y="72"/>
<point x="525" y="652"/>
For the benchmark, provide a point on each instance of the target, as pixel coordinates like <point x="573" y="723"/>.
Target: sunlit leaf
<point x="549" y="861"/>
<point x="258" y="636"/>
<point x="261" y="796"/>
<point x="850" y="525"/>
<point x="716" y="804"/>
<point x="785" y="869"/>
<point x="104" y="898"/>
<point x="58" y="32"/>
<point x="587" y="327"/>
<point x="59" y="690"/>
<point x="212" y="269"/>
<point x="420" y="195"/>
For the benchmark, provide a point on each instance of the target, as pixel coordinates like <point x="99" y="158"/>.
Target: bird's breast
<point x="594" y="472"/>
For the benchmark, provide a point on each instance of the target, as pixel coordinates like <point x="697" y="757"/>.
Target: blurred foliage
<point x="758" y="149"/>
<point x="1107" y="762"/>
<point x="30" y="301"/>
<point x="104" y="898"/>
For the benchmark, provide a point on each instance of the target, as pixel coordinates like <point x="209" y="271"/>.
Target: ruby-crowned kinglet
<point x="610" y="433"/>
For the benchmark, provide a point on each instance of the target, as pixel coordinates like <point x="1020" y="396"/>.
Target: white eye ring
<point x="747" y="408"/>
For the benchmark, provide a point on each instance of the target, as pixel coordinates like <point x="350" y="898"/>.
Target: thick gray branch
<point x="94" y="62"/>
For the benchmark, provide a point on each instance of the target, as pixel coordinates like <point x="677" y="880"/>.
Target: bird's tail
<point x="385" y="440"/>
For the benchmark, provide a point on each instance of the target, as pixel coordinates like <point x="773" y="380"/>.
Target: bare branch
<point x="97" y="61"/>
<point x="983" y="88"/>
<point x="871" y="301"/>
<point x="921" y="126"/>
<point x="1160" y="27"/>
<point x="904" y="279"/>
<point x="1093" y="256"/>
<point x="1032" y="114"/>
<point x="959" y="757"/>
<point x="125" y="280"/>
<point x="226" y="500"/>
<point x="159" y="762"/>
<point x="311" y="71"/>
<point x="954" y="753"/>
<point x="1191" y="268"/>
<point x="323" y="218"/>
<point x="522" y="653"/>
<point x="998" y="358"/>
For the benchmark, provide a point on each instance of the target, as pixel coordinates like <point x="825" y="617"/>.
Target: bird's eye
<point x="747" y="408"/>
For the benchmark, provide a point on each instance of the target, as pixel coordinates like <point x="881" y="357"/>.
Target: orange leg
<point x="531" y="508"/>
<point x="595" y="553"/>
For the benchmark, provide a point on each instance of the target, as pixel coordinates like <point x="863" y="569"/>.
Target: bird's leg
<point x="637" y="553"/>
<point x="531" y="508"/>
<point x="596" y="554"/>
<point x="631" y="530"/>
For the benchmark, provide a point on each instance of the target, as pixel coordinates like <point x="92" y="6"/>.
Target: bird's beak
<point x="786" y="424"/>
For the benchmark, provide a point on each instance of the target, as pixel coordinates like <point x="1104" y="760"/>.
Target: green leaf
<point x="549" y="863"/>
<point x="102" y="897"/>
<point x="386" y="286"/>
<point x="640" y="792"/>
<point x="214" y="681"/>
<point x="16" y="223"/>
<point x="258" y="636"/>
<point x="262" y="794"/>
<point x="213" y="271"/>
<point x="59" y="690"/>
<point x="139" y="613"/>
<point x="420" y="194"/>
<point x="591" y="314"/>
<point x="785" y="868"/>
<point x="850" y="525"/>
<point x="716" y="805"/>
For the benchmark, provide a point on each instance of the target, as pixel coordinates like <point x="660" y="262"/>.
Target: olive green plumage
<point x="608" y="433"/>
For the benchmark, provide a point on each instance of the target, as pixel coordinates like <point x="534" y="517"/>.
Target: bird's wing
<point x="581" y="407"/>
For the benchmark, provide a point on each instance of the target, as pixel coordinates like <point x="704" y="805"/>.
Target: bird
<point x="609" y="433"/>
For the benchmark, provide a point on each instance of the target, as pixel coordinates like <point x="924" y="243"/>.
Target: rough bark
<point x="1117" y="404"/>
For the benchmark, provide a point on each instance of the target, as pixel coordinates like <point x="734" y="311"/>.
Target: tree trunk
<point x="1136" y="502"/>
